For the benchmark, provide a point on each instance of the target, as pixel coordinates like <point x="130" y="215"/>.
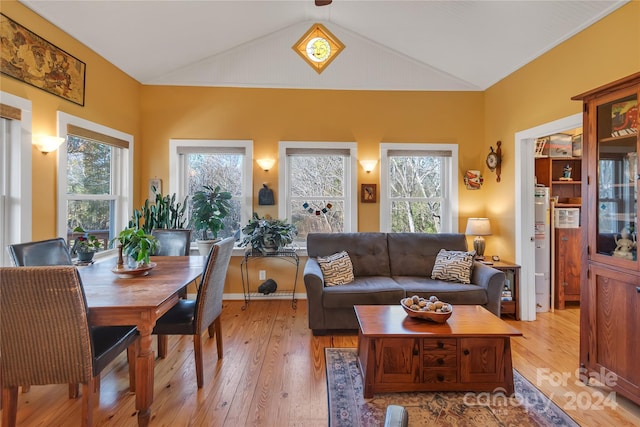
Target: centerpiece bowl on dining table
<point x="125" y="272"/>
<point x="416" y="307"/>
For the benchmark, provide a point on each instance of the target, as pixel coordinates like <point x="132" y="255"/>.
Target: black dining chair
<point x="172" y="241"/>
<point x="46" y="337"/>
<point x="42" y="252"/>
<point x="189" y="317"/>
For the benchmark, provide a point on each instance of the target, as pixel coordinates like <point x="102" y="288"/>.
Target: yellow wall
<point x="541" y="92"/>
<point x="537" y="93"/>
<point x="267" y="116"/>
<point x="111" y="99"/>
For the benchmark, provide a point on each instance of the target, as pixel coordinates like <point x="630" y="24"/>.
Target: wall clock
<point x="494" y="160"/>
<point x="318" y="47"/>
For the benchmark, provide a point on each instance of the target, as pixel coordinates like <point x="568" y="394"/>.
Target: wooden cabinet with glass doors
<point x="610" y="286"/>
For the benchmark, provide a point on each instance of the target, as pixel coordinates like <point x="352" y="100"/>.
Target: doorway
<point x="524" y="206"/>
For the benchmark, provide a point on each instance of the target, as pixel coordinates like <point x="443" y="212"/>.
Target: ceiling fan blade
<point x="323" y="2"/>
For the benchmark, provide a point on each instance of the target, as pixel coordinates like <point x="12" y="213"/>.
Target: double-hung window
<point x="318" y="187"/>
<point x="419" y="188"/>
<point x="15" y="172"/>
<point x="94" y="178"/>
<point x="5" y="143"/>
<point x="227" y="164"/>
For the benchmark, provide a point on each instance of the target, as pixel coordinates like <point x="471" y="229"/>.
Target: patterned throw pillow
<point x="453" y="266"/>
<point x="336" y="269"/>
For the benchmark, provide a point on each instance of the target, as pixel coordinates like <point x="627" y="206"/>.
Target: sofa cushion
<point x="336" y="269"/>
<point x="453" y="293"/>
<point x="414" y="254"/>
<point x="367" y="290"/>
<point x="368" y="251"/>
<point x="454" y="266"/>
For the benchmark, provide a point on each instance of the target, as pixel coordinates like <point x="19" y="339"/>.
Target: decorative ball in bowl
<point x="427" y="308"/>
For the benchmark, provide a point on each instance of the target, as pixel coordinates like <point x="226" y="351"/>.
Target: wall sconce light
<point x="46" y="143"/>
<point x="266" y="164"/>
<point x="368" y="165"/>
<point x="478" y="227"/>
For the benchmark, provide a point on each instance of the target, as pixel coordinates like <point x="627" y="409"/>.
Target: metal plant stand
<point x="288" y="255"/>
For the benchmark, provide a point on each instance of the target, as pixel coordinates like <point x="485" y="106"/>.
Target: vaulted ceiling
<point x="390" y="45"/>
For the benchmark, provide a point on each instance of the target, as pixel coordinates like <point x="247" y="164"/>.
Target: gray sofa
<point x="387" y="267"/>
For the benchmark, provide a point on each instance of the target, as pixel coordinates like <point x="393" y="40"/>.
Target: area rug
<point x="528" y="406"/>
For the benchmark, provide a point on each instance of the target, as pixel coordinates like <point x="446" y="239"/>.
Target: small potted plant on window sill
<point x="137" y="245"/>
<point x="210" y="207"/>
<point x="268" y="235"/>
<point x="85" y="246"/>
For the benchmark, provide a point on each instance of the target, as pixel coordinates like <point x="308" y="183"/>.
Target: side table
<point x="288" y="255"/>
<point x="510" y="307"/>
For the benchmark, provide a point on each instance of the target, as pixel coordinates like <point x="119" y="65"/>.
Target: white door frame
<point x="524" y="205"/>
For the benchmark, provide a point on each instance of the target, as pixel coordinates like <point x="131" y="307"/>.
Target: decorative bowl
<point x="127" y="273"/>
<point x="432" y="316"/>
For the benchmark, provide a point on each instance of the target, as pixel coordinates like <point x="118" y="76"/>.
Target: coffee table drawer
<point x="439" y="376"/>
<point x="440" y="360"/>
<point x="440" y="344"/>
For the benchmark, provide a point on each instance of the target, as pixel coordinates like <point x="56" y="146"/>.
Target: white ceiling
<point x="390" y="45"/>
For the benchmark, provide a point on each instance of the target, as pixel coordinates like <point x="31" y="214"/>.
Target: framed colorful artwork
<point x="31" y="59"/>
<point x="368" y="193"/>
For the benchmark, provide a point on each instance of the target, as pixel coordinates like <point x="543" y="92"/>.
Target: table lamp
<point x="478" y="227"/>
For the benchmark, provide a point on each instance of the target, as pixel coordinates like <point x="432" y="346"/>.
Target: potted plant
<point x="137" y="245"/>
<point x="85" y="246"/>
<point x="267" y="234"/>
<point x="210" y="206"/>
<point x="164" y="212"/>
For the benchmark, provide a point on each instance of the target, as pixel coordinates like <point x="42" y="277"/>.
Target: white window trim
<point x="178" y="185"/>
<point x="19" y="209"/>
<point x="449" y="225"/>
<point x="123" y="171"/>
<point x="350" y="223"/>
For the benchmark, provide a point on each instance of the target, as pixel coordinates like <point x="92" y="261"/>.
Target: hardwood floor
<point x="273" y="374"/>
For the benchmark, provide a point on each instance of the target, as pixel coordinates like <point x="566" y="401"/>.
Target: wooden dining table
<point x="140" y="301"/>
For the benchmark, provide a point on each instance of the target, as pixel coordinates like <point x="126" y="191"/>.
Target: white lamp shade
<point x="266" y="164"/>
<point x="46" y="143"/>
<point x="368" y="165"/>
<point x="478" y="227"/>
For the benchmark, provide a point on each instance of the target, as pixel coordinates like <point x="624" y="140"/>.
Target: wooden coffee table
<point x="470" y="352"/>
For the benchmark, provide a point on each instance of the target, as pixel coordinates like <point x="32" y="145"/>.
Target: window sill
<point x="238" y="251"/>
